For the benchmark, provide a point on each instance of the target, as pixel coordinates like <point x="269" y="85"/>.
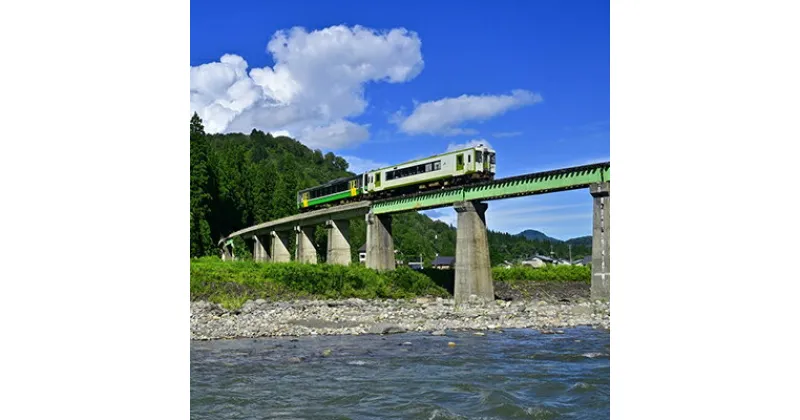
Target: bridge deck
<point x="345" y="211"/>
<point x="517" y="186"/>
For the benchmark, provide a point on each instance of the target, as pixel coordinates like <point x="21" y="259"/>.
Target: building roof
<point x="544" y="258"/>
<point x="444" y="261"/>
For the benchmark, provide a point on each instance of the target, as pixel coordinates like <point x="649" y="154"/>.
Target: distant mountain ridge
<point x="535" y="235"/>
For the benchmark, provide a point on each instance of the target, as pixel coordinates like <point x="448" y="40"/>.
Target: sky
<point x="382" y="83"/>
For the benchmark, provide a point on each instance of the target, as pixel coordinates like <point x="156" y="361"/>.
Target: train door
<point x="353" y="188"/>
<point x="486" y="166"/>
<point x="305" y="199"/>
<point x="377" y="180"/>
<point x="460" y="162"/>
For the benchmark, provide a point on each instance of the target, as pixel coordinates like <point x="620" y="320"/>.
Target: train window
<point x="478" y="158"/>
<point x="437" y="165"/>
<point x="469" y="158"/>
<point x="428" y="167"/>
<point x="491" y="158"/>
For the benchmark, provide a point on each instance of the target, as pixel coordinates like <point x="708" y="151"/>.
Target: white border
<point x="94" y="163"/>
<point x="95" y="171"/>
<point x="703" y="107"/>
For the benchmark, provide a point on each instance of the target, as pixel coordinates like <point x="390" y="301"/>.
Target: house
<point x="362" y="254"/>
<point x="537" y="261"/>
<point x="533" y="262"/>
<point x="587" y="260"/>
<point x="444" y="263"/>
<point x="415" y="265"/>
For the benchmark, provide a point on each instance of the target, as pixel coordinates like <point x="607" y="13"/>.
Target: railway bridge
<point x="473" y="275"/>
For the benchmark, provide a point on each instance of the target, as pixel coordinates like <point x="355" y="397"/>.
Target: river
<point x="510" y="374"/>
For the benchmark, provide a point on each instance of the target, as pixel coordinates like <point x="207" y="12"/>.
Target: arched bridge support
<point x="226" y="253"/>
<point x="279" y="246"/>
<point x="306" y="251"/>
<point x="261" y="243"/>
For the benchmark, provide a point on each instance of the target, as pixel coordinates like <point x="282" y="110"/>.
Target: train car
<point x="334" y="192"/>
<point x="447" y="169"/>
<point x="464" y="166"/>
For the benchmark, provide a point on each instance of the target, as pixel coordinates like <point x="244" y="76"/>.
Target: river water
<point x="513" y="374"/>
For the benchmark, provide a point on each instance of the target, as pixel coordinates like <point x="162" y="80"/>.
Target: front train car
<point x="457" y="167"/>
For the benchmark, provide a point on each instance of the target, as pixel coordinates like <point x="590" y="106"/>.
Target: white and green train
<point x="473" y="164"/>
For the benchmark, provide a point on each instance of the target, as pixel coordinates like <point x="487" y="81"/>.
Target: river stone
<point x="386" y="329"/>
<point x="439" y="332"/>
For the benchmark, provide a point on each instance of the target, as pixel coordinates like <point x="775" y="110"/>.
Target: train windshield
<point x="491" y="158"/>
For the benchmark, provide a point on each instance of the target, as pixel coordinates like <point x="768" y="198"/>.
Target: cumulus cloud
<point x="445" y="115"/>
<point x="316" y="84"/>
<point x="472" y="143"/>
<point x="359" y="165"/>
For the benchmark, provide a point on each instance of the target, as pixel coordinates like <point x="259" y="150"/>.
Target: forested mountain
<point x="239" y="180"/>
<point x="537" y="236"/>
<point x="582" y="241"/>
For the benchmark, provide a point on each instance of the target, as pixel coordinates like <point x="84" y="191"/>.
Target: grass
<point x="548" y="273"/>
<point x="231" y="283"/>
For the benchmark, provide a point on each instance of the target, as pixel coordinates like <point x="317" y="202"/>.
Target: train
<point x="458" y="167"/>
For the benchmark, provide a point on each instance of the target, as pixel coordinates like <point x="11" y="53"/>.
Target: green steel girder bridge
<point x="472" y="270"/>
<point x="516" y="186"/>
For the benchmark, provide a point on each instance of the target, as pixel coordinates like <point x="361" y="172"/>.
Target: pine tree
<point x="200" y="230"/>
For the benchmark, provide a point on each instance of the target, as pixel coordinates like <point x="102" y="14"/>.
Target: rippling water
<point x="514" y="374"/>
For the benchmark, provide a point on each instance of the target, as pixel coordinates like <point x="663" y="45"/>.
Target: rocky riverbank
<point x="261" y="318"/>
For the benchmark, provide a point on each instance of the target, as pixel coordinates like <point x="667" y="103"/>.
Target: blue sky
<point x="382" y="83"/>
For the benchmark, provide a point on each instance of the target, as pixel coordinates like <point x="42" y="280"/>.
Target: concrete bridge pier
<point x="380" y="244"/>
<point x="226" y="253"/>
<point x="601" y="244"/>
<point x="473" y="274"/>
<point x="279" y="247"/>
<point x="306" y="252"/>
<point x="260" y="247"/>
<point x="339" y="242"/>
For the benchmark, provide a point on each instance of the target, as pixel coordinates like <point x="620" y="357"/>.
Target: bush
<point x="554" y="273"/>
<point x="231" y="283"/>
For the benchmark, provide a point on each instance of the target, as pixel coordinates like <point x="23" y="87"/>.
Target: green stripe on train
<point x="333" y="197"/>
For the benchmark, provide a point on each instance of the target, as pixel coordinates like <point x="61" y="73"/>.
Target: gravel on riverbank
<point x="261" y="318"/>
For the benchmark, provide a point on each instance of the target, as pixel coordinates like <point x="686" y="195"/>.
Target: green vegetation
<point x="548" y="273"/>
<point x="231" y="283"/>
<point x="238" y="180"/>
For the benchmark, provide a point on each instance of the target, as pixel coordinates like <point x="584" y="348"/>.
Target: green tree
<point x="200" y="230"/>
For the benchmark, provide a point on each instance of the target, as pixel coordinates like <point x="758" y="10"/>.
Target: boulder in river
<point x="386" y="329"/>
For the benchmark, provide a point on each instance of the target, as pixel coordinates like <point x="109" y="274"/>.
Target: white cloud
<point x="339" y="134"/>
<point x="317" y="82"/>
<point x="507" y="134"/>
<point x="445" y="115"/>
<point x="471" y="143"/>
<point x="359" y="165"/>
